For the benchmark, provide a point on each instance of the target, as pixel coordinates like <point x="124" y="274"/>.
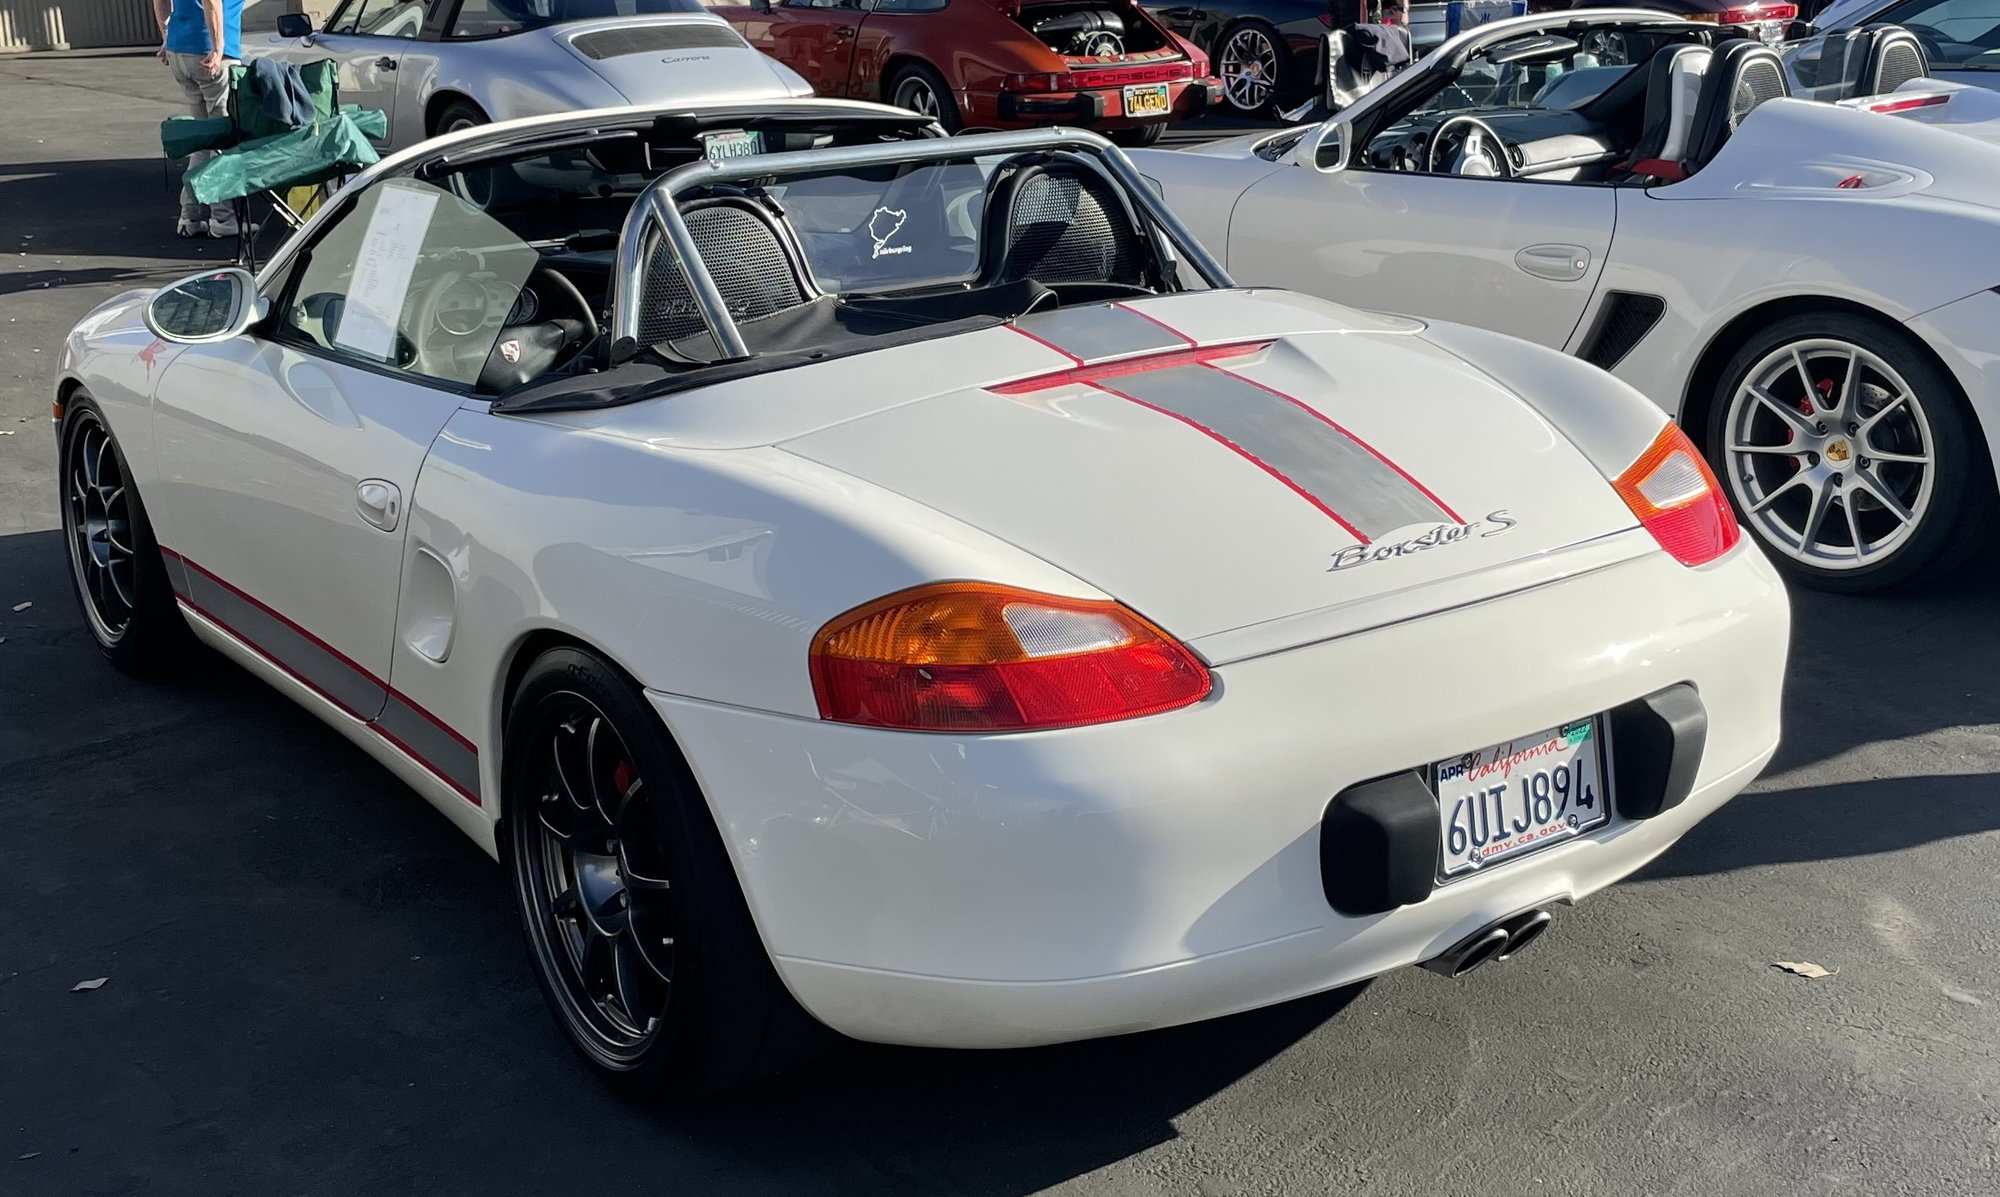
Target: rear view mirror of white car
<point x="214" y="305"/>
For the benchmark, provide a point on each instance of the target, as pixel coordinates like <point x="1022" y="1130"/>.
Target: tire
<point x="459" y="115"/>
<point x="1254" y="65"/>
<point x="1874" y="524"/>
<point x="1138" y="137"/>
<point x="919" y="88"/>
<point x="116" y="570"/>
<point x="635" y="924"/>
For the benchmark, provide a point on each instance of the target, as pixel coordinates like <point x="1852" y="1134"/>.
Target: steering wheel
<point x="1478" y="151"/>
<point x="556" y="281"/>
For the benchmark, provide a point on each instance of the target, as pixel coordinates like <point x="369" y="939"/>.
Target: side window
<point x="412" y="278"/>
<point x="1954" y="32"/>
<point x="910" y="5"/>
<point x="388" y="18"/>
<point x="853" y="4"/>
<point x="485" y="18"/>
<point x="342" y="21"/>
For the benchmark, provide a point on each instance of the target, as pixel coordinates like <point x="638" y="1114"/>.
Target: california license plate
<point x="1513" y="798"/>
<point x="738" y="144"/>
<point x="1147" y="99"/>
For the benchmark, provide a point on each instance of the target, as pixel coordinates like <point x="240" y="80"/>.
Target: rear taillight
<point x="1748" y="15"/>
<point x="1097" y="78"/>
<point x="972" y="656"/>
<point x="1678" y="500"/>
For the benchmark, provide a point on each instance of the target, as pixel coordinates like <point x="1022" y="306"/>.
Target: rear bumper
<point x="1014" y="890"/>
<point x="1104" y="107"/>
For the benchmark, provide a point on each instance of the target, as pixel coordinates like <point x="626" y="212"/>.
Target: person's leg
<point x="187" y="71"/>
<point x="215" y="98"/>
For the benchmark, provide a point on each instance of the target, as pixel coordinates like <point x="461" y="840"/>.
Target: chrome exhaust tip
<point x="1495" y="941"/>
<point x="1523" y="930"/>
<point x="1469" y="953"/>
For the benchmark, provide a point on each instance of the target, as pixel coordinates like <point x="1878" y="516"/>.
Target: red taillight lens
<point x="1678" y="500"/>
<point x="1759" y="12"/>
<point x="971" y="656"/>
<point x="1040" y="84"/>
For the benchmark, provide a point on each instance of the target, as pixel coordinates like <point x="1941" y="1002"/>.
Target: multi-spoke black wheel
<point x="1848" y="453"/>
<point x="597" y="874"/>
<point x="638" y="931"/>
<point x="120" y="582"/>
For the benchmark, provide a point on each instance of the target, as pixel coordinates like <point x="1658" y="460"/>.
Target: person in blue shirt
<point x="199" y="40"/>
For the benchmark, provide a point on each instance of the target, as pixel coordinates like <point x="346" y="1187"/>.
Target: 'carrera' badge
<point x="1496" y="523"/>
<point x="511" y="350"/>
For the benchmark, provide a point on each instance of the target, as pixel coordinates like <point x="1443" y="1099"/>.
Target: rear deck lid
<point x="1213" y="477"/>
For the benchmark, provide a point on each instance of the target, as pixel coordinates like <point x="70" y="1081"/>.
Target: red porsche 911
<point x="1100" y="64"/>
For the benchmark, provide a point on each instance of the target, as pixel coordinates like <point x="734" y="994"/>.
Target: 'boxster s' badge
<point x="1496" y="523"/>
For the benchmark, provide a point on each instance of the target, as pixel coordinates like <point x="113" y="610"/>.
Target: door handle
<point x="1557" y="263"/>
<point x="844" y="31"/>
<point x="385" y="63"/>
<point x="380" y="503"/>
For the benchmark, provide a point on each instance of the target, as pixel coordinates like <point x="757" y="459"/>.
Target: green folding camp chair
<point x="291" y="165"/>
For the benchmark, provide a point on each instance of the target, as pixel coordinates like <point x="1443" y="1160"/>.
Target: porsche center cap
<point x="1837" y="451"/>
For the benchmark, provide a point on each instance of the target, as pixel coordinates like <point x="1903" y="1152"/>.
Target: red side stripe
<point x="1245" y="454"/>
<point x="1323" y="418"/>
<point x="309" y="684"/>
<point x="1126" y="307"/>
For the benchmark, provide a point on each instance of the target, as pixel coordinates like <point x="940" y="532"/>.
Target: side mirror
<point x="1799" y="31"/>
<point x="1325" y="148"/>
<point x="295" y="24"/>
<point x="761" y="5"/>
<point x="214" y="305"/>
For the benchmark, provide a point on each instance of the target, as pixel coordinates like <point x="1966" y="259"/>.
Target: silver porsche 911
<point x="440" y="65"/>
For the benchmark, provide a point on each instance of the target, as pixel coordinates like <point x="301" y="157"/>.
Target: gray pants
<point x="206" y="97"/>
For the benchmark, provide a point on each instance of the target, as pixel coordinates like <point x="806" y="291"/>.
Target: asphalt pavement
<point x="315" y="985"/>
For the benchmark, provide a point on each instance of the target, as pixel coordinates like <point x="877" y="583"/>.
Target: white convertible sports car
<point x="846" y="571"/>
<point x="1809" y="287"/>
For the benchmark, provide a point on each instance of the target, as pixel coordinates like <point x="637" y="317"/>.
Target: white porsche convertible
<point x="845" y="572"/>
<point x="1809" y="287"/>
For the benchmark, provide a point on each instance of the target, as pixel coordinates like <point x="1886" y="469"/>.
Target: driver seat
<point x="1673" y="92"/>
<point x="1744" y="75"/>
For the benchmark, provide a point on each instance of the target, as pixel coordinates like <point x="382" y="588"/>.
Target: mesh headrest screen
<point x="745" y="258"/>
<point x="1067" y="227"/>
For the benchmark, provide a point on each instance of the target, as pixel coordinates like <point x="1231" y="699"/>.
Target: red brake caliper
<point x="623" y="776"/>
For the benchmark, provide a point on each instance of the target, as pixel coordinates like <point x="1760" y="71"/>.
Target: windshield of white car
<point x="1566" y="78"/>
<point x="492" y="18"/>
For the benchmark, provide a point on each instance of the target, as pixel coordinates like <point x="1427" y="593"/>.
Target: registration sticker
<point x="738" y="143"/>
<point x="1521" y="795"/>
<point x="1147" y="99"/>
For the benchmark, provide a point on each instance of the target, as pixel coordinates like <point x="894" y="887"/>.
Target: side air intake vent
<point x="651" y="39"/>
<point x="1622" y="323"/>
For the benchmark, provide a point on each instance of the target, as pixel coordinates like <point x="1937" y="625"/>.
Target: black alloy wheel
<point x="115" y="566"/>
<point x="636" y="926"/>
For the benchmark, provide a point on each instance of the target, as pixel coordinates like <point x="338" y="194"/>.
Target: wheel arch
<point x="1698" y="395"/>
<point x="899" y="61"/>
<point x="526" y="649"/>
<point x="444" y="98"/>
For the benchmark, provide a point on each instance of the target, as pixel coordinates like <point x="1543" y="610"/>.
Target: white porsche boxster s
<point x="1809" y="287"/>
<point x="850" y="578"/>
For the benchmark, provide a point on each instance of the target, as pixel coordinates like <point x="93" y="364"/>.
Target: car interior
<point x="510" y="294"/>
<point x="1620" y="103"/>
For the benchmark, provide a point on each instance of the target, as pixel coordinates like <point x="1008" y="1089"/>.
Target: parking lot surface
<point x="314" y="984"/>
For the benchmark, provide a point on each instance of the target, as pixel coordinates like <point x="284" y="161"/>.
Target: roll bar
<point x="658" y="206"/>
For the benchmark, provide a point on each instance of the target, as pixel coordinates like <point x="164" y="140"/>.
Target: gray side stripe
<point x="1102" y="331"/>
<point x="1346" y="480"/>
<point x="351" y="689"/>
<point x="402" y="725"/>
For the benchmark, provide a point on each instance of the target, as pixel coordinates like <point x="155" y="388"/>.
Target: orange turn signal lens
<point x="974" y="656"/>
<point x="1678" y="500"/>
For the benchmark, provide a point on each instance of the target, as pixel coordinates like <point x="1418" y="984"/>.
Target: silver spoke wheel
<point x="1248" y="65"/>
<point x="1830" y="454"/>
<point x="97" y="522"/>
<point x="917" y="96"/>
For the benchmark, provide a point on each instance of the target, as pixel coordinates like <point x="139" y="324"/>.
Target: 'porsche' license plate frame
<point x="1517" y="797"/>
<point x="1148" y="99"/>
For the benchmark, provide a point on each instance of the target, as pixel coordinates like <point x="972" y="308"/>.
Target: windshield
<point x="489" y="18"/>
